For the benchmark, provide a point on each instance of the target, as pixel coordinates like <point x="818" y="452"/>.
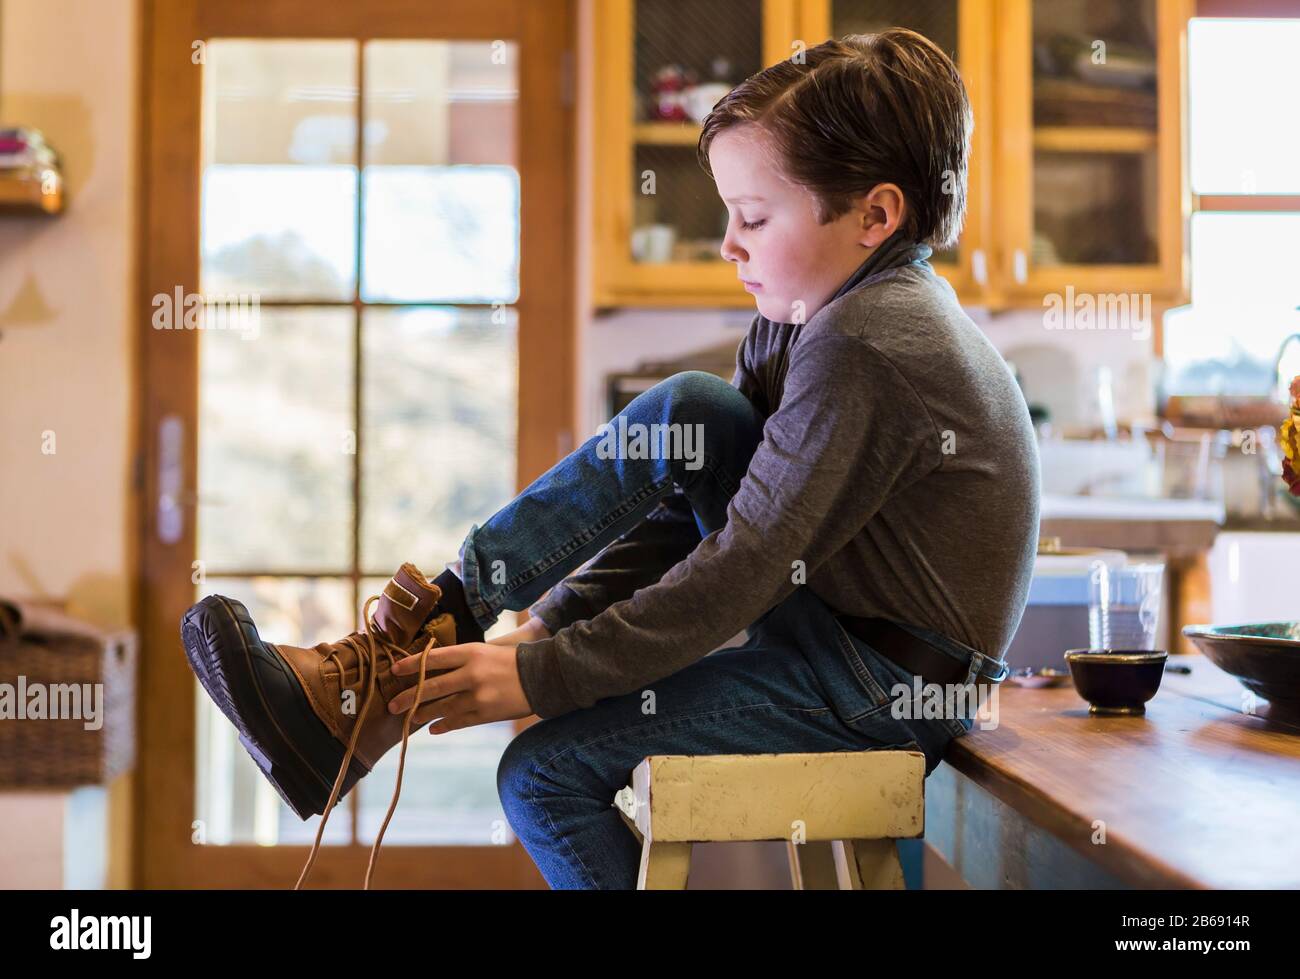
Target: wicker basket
<point x="51" y="664"/>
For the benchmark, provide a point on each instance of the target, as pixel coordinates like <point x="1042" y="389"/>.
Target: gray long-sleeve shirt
<point x="898" y="464"/>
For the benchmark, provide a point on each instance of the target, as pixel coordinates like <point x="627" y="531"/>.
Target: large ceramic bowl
<point x="1264" y="656"/>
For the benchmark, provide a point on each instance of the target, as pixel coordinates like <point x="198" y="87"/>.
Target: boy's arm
<point x="850" y="431"/>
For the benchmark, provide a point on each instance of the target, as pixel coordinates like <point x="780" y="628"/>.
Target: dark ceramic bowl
<point x="1117" y="681"/>
<point x="1264" y="656"/>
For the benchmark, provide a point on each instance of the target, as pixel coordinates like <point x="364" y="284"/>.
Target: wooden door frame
<point x="546" y="31"/>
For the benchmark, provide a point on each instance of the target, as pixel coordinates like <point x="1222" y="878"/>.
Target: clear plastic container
<point x="1124" y="605"/>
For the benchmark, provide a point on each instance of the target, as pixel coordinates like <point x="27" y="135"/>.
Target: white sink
<point x="1055" y="506"/>
<point x="1100" y="480"/>
<point x="1078" y="467"/>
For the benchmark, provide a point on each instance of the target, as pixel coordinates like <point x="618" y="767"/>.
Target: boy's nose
<point x="731" y="251"/>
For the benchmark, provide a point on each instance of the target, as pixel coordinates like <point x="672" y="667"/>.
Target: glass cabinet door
<point x="687" y="57"/>
<point x="1092" y="132"/>
<point x="661" y="66"/>
<point x="936" y="19"/>
<point x="1095" y="127"/>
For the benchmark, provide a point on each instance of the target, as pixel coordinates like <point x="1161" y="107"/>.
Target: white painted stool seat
<point x="860" y="801"/>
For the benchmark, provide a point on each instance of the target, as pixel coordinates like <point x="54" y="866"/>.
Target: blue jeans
<point x="801" y="683"/>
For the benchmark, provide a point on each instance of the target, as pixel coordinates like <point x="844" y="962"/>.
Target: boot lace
<point x="368" y="648"/>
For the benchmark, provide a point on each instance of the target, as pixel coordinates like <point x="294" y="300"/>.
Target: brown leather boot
<point x="316" y="720"/>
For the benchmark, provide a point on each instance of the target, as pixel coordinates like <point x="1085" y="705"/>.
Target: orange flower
<point x="1288" y="436"/>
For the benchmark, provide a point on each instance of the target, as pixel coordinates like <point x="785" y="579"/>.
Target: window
<point x="1245" y="257"/>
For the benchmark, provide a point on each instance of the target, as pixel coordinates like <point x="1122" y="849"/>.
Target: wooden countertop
<point x="1195" y="793"/>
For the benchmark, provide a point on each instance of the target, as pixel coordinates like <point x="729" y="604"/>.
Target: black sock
<point x="453" y="601"/>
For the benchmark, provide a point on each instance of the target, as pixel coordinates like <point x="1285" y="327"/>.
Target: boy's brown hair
<point x="859" y="111"/>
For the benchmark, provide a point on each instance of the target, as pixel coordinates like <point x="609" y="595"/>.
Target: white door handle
<point x="171" y="479"/>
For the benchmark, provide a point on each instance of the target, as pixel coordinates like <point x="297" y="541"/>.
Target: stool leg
<point x="796" y="872"/>
<point x="812" y="866"/>
<point x="868" y="865"/>
<point x="664" y="866"/>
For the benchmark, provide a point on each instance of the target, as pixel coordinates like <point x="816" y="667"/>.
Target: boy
<point x="865" y="503"/>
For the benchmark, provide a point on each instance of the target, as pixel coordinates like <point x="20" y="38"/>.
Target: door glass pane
<point x="936" y="19"/>
<point x="1095" y="113"/>
<point x="440" y="185"/>
<point x="440" y="389"/>
<point x="687" y="57"/>
<point x="279" y="168"/>
<point x="449" y="794"/>
<point x="234" y="802"/>
<point x="276" y="443"/>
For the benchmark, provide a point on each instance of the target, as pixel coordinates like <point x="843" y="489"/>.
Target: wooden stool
<point x="860" y="801"/>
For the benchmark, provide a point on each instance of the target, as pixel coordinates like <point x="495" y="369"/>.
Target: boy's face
<point x="789" y="255"/>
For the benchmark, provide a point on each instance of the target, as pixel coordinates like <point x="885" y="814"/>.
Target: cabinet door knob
<point x="1020" y="266"/>
<point x="979" y="267"/>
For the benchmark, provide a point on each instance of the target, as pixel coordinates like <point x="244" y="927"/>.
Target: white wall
<point x="68" y="67"/>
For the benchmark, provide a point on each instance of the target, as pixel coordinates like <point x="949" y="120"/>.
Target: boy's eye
<point x="747" y="226"/>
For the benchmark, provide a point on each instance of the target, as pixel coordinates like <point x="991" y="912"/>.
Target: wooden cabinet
<point x="1089" y="187"/>
<point x="1076" y="175"/>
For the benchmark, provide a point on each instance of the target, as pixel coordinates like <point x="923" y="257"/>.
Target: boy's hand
<point x="483" y="686"/>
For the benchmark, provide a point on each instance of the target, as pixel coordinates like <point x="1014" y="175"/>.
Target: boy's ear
<point x="884" y="210"/>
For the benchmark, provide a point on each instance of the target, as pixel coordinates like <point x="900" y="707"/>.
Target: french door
<point x="356" y="306"/>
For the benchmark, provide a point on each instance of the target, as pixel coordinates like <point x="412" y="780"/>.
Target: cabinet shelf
<point x="1095" y="139"/>
<point x="1063" y="139"/>
<point x="667" y="133"/>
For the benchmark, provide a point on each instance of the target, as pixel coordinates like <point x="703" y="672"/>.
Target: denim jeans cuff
<point x="470" y="581"/>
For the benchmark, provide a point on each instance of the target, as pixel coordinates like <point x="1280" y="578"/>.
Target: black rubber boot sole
<point x="260" y="694"/>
